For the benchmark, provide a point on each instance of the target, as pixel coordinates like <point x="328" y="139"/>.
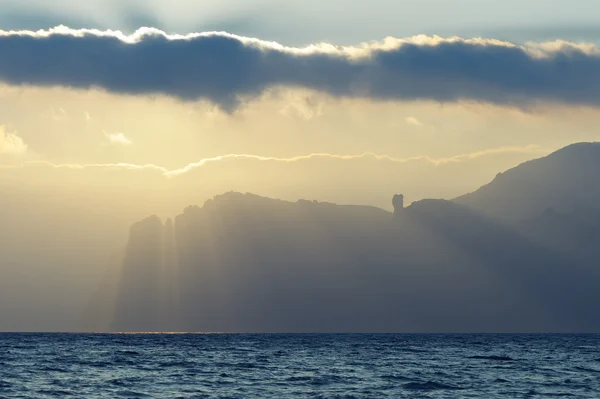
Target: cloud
<point x="10" y="143"/>
<point x="529" y="149"/>
<point x="411" y="120"/>
<point x="58" y="115"/>
<point x="118" y="138"/>
<point x="225" y="68"/>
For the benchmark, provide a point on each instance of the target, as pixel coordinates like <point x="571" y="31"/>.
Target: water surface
<point x="298" y="366"/>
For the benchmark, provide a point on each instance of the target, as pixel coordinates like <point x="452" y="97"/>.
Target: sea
<point x="298" y="366"/>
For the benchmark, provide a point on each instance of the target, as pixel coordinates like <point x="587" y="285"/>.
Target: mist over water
<point x="298" y="366"/>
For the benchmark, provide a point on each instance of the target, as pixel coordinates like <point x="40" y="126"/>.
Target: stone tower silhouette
<point x="398" y="202"/>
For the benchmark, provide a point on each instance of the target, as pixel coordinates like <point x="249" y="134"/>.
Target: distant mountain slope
<point x="567" y="180"/>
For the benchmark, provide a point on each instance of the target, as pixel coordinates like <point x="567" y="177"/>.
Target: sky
<point x="114" y="110"/>
<point x="343" y="22"/>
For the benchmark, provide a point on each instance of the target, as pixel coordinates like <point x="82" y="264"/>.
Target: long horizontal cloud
<point x="530" y="149"/>
<point x="222" y="68"/>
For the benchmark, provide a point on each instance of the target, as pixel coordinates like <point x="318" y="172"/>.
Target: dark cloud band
<point x="223" y="68"/>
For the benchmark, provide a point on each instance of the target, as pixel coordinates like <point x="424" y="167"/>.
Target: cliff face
<point x="146" y="291"/>
<point x="255" y="264"/>
<point x="247" y="263"/>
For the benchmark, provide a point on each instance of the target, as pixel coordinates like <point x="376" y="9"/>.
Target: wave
<point x="429" y="386"/>
<point x="493" y="357"/>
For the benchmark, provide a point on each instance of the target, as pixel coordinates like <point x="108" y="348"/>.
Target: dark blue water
<point x="298" y="366"/>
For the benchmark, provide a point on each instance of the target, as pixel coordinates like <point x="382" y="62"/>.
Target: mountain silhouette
<point x="518" y="255"/>
<point x="566" y="180"/>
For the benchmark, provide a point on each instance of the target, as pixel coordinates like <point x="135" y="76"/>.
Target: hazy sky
<point x="308" y="100"/>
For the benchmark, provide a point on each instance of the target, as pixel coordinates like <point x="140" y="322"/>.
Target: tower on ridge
<point x="398" y="203"/>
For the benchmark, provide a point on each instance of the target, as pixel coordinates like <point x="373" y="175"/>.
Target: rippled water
<point x="298" y="366"/>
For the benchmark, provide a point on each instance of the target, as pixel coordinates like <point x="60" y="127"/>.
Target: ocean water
<point x="298" y="366"/>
